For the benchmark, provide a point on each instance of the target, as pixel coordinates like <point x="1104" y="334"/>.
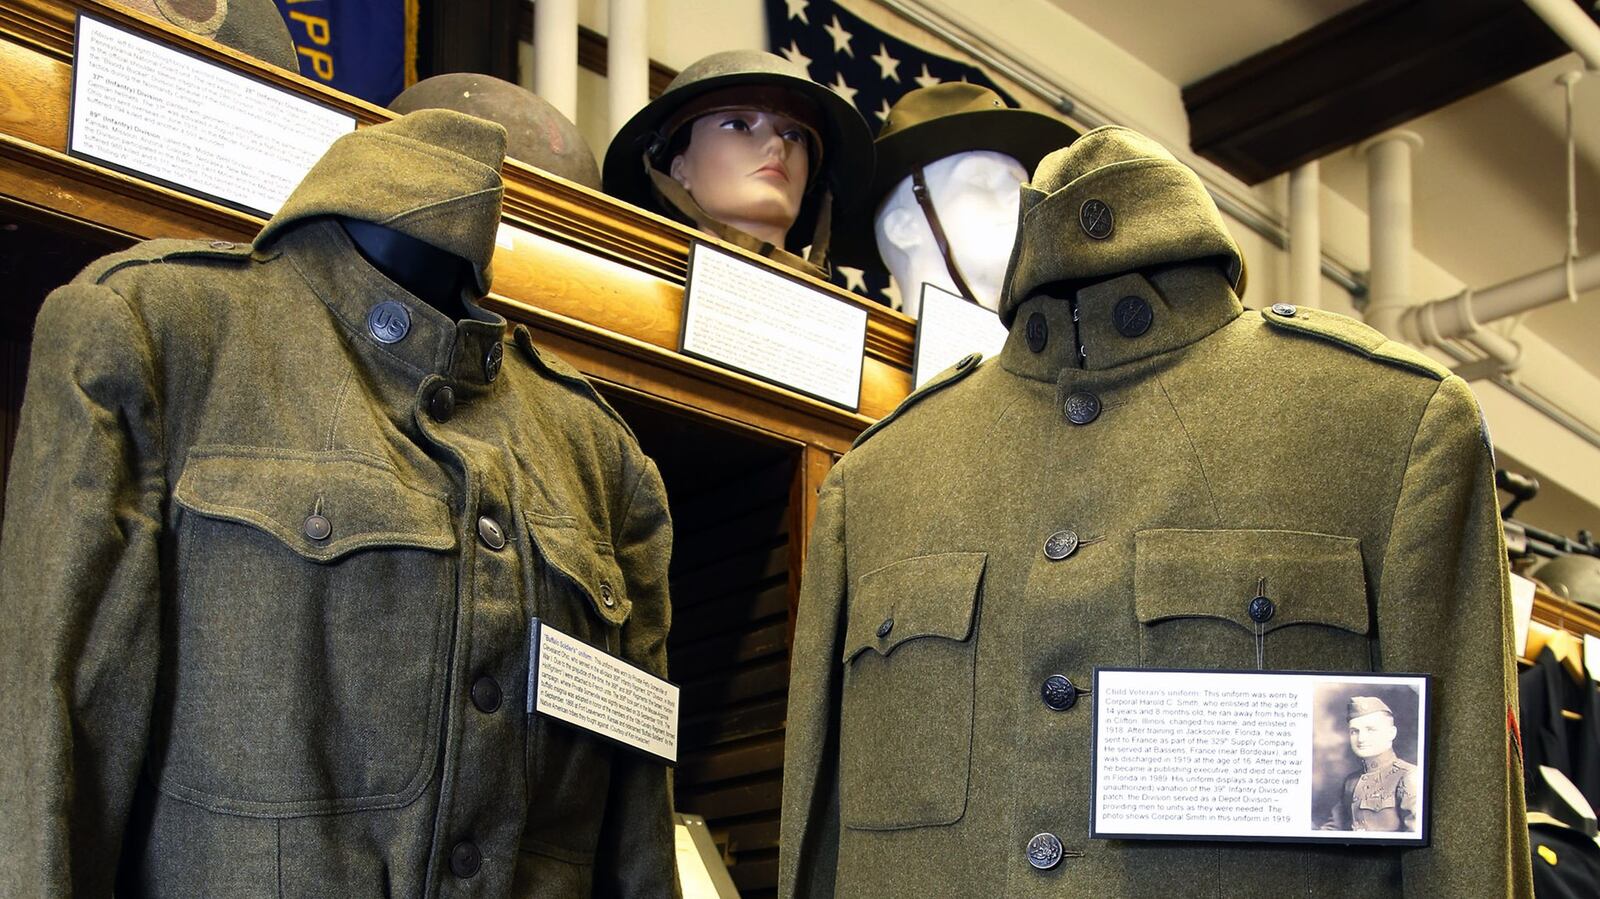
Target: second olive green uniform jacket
<point x="1217" y="448"/>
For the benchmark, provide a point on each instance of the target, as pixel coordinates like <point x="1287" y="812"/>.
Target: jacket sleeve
<point x="808" y="849"/>
<point x="79" y="591"/>
<point x="1443" y="607"/>
<point x="636" y="856"/>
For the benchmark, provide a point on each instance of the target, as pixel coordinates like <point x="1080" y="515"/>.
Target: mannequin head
<point x="748" y="168"/>
<point x="975" y="195"/>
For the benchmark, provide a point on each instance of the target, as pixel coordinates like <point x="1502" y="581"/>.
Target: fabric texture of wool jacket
<point x="1110" y="491"/>
<point x="275" y="532"/>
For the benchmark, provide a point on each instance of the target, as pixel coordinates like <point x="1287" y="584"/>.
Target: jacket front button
<point x="1082" y="407"/>
<point x="465" y="860"/>
<point x="490" y="533"/>
<point x="1261" y="609"/>
<point x="486" y="694"/>
<point x="1044" y="851"/>
<point x="1060" y="545"/>
<point x="442" y="404"/>
<point x="318" y="527"/>
<point x="1059" y="693"/>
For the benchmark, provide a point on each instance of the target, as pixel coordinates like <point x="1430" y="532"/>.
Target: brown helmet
<point x="537" y="133"/>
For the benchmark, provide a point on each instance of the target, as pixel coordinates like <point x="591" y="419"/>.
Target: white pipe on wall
<point x="627" y="60"/>
<point x="1568" y="21"/>
<point x="1305" y="235"/>
<point x="555" y="54"/>
<point x="1389" y="227"/>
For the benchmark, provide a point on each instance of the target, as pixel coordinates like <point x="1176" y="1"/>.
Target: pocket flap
<point x="362" y="503"/>
<point x="1311" y="578"/>
<point x="589" y="564"/>
<point x="927" y="596"/>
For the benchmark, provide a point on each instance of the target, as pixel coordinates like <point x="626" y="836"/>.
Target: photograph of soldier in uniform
<point x="1365" y="775"/>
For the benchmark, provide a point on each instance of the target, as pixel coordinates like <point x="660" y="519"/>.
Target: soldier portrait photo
<point x="1366" y="776"/>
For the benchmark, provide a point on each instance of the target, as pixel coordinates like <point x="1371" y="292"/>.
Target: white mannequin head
<point x="976" y="195"/>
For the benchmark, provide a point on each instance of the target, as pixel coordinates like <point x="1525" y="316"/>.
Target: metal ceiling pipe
<point x="1462" y="316"/>
<point x="555" y="54"/>
<point x="1568" y="21"/>
<point x="1305" y="235"/>
<point x="1389" y="228"/>
<point x="627" y="60"/>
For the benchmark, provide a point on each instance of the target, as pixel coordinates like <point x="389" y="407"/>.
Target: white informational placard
<point x="772" y="326"/>
<point x="949" y="327"/>
<point x="1264" y="756"/>
<point x="1522" y="591"/>
<point x="151" y="110"/>
<point x="587" y="687"/>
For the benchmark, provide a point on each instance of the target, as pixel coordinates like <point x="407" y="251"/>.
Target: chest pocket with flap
<point x="1193" y="594"/>
<point x="905" y="737"/>
<point x="311" y="599"/>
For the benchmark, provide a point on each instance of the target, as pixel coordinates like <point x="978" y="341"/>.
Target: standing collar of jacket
<point x="1381" y="760"/>
<point x="354" y="290"/>
<point x="1121" y="320"/>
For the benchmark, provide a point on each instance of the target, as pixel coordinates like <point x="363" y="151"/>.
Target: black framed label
<point x="1265" y="756"/>
<point x="950" y="326"/>
<point x="588" y="688"/>
<point x="166" y="115"/>
<point x="772" y="326"/>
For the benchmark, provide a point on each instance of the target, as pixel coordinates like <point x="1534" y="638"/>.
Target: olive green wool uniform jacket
<point x="267" y="594"/>
<point x="1350" y="473"/>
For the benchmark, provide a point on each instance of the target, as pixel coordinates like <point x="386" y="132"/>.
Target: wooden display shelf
<point x="601" y="282"/>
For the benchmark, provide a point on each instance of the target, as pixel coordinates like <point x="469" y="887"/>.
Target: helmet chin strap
<point x="673" y="194"/>
<point x="919" y="189"/>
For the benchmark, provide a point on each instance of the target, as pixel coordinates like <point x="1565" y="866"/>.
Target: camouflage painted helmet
<point x="1114" y="202"/>
<point x="536" y="132"/>
<point x="253" y="27"/>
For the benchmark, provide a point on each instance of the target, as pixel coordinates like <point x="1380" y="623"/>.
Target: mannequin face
<point x="1372" y="735"/>
<point x="746" y="168"/>
<point x="976" y="196"/>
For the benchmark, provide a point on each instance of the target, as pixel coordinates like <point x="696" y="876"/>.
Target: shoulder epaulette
<point x="554" y="366"/>
<point x="162" y="250"/>
<point x="1352" y="335"/>
<point x="951" y="375"/>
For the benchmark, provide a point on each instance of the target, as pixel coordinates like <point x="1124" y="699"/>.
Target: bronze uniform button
<point x="490" y="533"/>
<point x="222" y="245"/>
<point x="318" y="527"/>
<point x="1132" y="316"/>
<point x="1037" y="332"/>
<point x="606" y="598"/>
<point x="486" y="694"/>
<point x="885" y="627"/>
<point x="1261" y="609"/>
<point x="1060" y="545"/>
<point x="1082" y="407"/>
<point x="1059" y="692"/>
<point x="442" y="404"/>
<point x="1287" y="310"/>
<point x="389" y="322"/>
<point x="465" y="860"/>
<point x="1044" y="851"/>
<point x="1094" y="216"/>
<point x="491" y="361"/>
<point x="968" y="361"/>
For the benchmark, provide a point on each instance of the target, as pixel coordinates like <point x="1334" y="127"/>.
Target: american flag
<point x="867" y="67"/>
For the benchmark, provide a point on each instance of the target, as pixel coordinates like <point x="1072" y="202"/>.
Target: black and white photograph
<point x="1367" y="776"/>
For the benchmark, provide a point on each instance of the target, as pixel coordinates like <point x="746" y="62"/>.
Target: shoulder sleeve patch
<point x="553" y="366"/>
<point x="1352" y="335"/>
<point x="951" y="375"/>
<point x="156" y="251"/>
